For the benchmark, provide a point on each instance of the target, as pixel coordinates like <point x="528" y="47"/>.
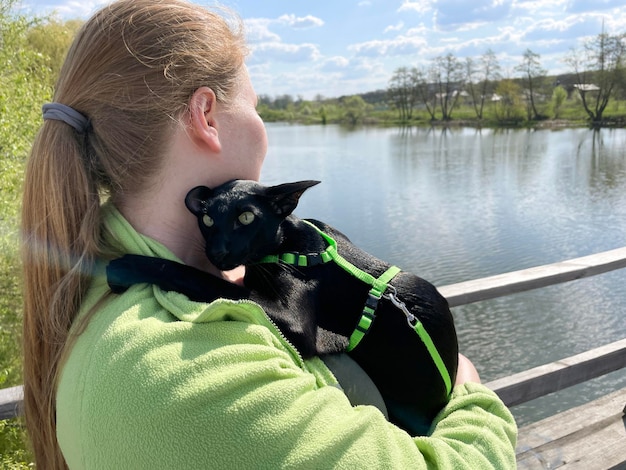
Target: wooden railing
<point x="548" y="378"/>
<point x="591" y="436"/>
<point x="526" y="385"/>
<point x="10" y="402"/>
<point x="533" y="278"/>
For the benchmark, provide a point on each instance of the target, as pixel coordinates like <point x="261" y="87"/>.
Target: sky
<point x="312" y="49"/>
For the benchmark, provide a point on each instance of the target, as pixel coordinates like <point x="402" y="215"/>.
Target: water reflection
<point x="463" y="203"/>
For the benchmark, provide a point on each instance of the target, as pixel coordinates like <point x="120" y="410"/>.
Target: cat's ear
<point x="285" y="196"/>
<point x="196" y="199"/>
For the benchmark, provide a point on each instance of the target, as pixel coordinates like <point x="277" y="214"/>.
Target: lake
<point x="462" y="203"/>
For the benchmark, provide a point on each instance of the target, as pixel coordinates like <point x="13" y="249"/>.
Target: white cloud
<point x="535" y="9"/>
<point x="282" y="52"/>
<point x="392" y="28"/>
<point x="411" y="33"/>
<point x="334" y="64"/>
<point x="615" y="21"/>
<point x="303" y="22"/>
<point x="551" y="29"/>
<point x="420" y="30"/>
<point x="257" y="30"/>
<point x="464" y="28"/>
<point x="534" y="5"/>
<point x="420" y="7"/>
<point x="402" y="45"/>
<point x="455" y="13"/>
<point x="67" y="9"/>
<point x="579" y="6"/>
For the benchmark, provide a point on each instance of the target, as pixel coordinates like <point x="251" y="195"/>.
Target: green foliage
<point x="599" y="70"/>
<point x="333" y="111"/>
<point x="13" y="453"/>
<point x="26" y="76"/>
<point x="51" y="39"/>
<point x="509" y="107"/>
<point x="23" y="84"/>
<point x="355" y="109"/>
<point x="559" y="95"/>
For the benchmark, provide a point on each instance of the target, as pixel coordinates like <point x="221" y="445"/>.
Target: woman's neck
<point x="162" y="216"/>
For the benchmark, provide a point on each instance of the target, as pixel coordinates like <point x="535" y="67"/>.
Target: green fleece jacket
<point x="156" y="381"/>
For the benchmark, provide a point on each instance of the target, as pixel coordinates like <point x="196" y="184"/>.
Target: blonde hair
<point x="131" y="70"/>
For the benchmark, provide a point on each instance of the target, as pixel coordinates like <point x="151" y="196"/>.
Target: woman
<point x="154" y="99"/>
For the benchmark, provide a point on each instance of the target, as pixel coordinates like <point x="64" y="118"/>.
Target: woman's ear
<point x="202" y="113"/>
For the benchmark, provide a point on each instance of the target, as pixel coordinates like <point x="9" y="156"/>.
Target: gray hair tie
<point x="61" y="112"/>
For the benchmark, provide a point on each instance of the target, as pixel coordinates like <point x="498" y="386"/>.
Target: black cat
<point x="322" y="292"/>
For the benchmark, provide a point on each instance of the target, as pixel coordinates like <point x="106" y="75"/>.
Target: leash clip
<point x="393" y="297"/>
<point x="417" y="326"/>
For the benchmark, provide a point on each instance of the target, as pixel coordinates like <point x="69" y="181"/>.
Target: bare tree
<point x="481" y="77"/>
<point x="448" y="77"/>
<point x="532" y="76"/>
<point x="599" y="69"/>
<point x="424" y="91"/>
<point x="401" y="92"/>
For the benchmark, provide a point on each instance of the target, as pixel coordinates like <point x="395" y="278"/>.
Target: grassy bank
<point x="569" y="113"/>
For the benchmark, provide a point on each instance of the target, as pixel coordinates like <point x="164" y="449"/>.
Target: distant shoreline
<point x="484" y="124"/>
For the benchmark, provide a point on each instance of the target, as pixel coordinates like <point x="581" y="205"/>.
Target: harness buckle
<point x="314" y="259"/>
<point x="372" y="301"/>
<point x="393" y="297"/>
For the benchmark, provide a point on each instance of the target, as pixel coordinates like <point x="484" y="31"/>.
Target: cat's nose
<point x="221" y="260"/>
<point x="218" y="255"/>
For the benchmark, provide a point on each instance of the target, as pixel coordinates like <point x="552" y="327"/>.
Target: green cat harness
<point x="379" y="288"/>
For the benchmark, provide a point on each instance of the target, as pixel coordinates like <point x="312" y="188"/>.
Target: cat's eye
<point x="246" y="218"/>
<point x="207" y="221"/>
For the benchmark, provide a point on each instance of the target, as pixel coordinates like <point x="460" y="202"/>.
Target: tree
<point x="599" y="68"/>
<point x="507" y="104"/>
<point x="532" y="76"/>
<point x="23" y="88"/>
<point x="24" y="84"/>
<point x="401" y="93"/>
<point x="559" y="95"/>
<point x="447" y="74"/>
<point x="481" y="78"/>
<point x="284" y="102"/>
<point x="355" y="108"/>
<point x="52" y="38"/>
<point x="424" y="91"/>
<point x="323" y="115"/>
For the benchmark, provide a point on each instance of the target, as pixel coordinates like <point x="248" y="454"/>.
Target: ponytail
<point x="59" y="217"/>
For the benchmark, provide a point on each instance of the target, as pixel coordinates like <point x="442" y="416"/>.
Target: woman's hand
<point x="466" y="371"/>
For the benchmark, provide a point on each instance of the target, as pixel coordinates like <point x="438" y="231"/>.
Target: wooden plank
<point x="588" y="437"/>
<point x="548" y="378"/>
<point x="11" y="402"/>
<point x="526" y="279"/>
